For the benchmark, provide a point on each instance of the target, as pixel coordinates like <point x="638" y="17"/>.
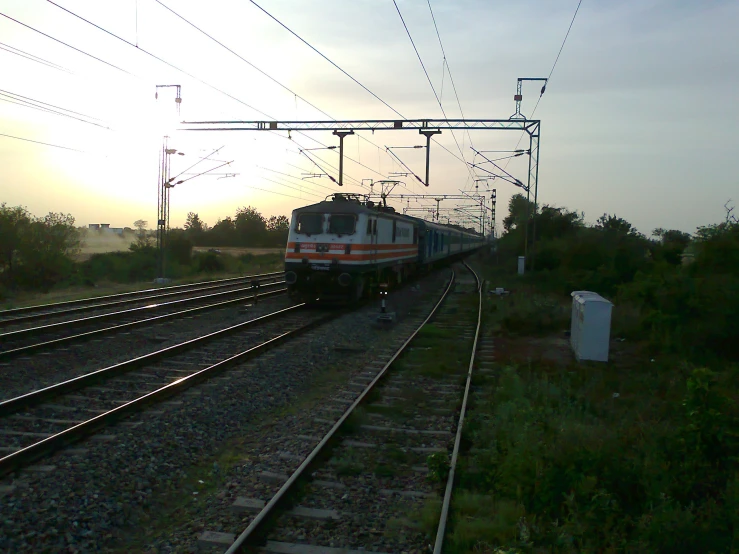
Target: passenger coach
<point x="339" y="248"/>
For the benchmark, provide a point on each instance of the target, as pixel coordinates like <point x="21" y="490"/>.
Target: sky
<point x="638" y="118"/>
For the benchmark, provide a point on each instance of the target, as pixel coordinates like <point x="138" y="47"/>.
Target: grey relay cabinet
<point x="590" y="330"/>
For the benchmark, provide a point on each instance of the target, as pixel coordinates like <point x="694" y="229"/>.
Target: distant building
<point x="105" y="227"/>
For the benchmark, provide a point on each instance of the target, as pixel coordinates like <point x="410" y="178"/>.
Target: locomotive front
<point x="323" y="258"/>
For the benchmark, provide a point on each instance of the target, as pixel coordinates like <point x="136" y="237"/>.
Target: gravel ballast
<point x="111" y="495"/>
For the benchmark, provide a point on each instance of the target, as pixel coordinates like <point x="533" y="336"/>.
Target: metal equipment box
<point x="590" y="328"/>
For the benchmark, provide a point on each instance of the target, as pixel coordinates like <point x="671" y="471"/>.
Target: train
<point x="345" y="247"/>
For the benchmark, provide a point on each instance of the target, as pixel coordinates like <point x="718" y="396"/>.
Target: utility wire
<point x="47" y="110"/>
<point x="552" y="71"/>
<point x="449" y="69"/>
<point x="324" y="57"/>
<point x="278" y="83"/>
<point x="44" y="143"/>
<point x="309" y="193"/>
<point x="298" y="96"/>
<point x="157" y="58"/>
<point x="67" y="45"/>
<point x="296" y="178"/>
<point x="21" y="53"/>
<point x="430" y="83"/>
<point x="7" y="92"/>
<point x="166" y="63"/>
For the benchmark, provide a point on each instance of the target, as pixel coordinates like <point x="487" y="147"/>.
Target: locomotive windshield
<point x="310" y="224"/>
<point x="342" y="224"/>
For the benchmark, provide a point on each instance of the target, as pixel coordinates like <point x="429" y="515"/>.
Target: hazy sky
<point x="639" y="118"/>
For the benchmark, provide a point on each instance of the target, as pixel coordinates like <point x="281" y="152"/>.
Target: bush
<point x="595" y="476"/>
<point x="208" y="262"/>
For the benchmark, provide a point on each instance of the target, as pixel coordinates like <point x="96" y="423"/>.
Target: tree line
<point x="247" y="228"/>
<point x="685" y="287"/>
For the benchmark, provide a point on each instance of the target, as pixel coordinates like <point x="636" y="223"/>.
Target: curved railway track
<point x="21" y="342"/>
<point x="39" y="423"/>
<point x="364" y="462"/>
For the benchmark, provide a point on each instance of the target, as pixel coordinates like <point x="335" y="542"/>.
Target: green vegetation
<point x="247" y="228"/>
<point x="636" y="455"/>
<point x="43" y="254"/>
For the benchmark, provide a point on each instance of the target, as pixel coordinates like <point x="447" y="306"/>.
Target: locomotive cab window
<point x="310" y="224"/>
<point x="342" y="224"/>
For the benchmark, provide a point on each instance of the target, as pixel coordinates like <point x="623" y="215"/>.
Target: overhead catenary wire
<point x="169" y="64"/>
<point x="327" y="115"/>
<point x="430" y="83"/>
<point x="44" y="143"/>
<point x="267" y="75"/>
<point x="67" y="45"/>
<point x="7" y="92"/>
<point x="572" y="22"/>
<point x="25" y="104"/>
<point x="324" y="57"/>
<point x="448" y="68"/>
<point x="157" y="58"/>
<point x="28" y="55"/>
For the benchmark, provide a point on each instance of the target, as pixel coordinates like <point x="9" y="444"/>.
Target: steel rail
<point x="262" y="279"/>
<point x="7" y="354"/>
<point x="33" y="452"/>
<point x="444" y="516"/>
<point x="131" y="294"/>
<point x="120" y="313"/>
<point x="253" y="534"/>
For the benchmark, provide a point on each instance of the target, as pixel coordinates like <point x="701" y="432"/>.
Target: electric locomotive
<point x="340" y="248"/>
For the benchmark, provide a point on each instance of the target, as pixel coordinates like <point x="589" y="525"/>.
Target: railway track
<point x="18" y="316"/>
<point x="39" y="423"/>
<point x="24" y="341"/>
<point x="370" y="457"/>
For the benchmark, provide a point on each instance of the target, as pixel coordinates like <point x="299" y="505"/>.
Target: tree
<point x="13" y="222"/>
<point x="36" y="252"/>
<point x="278" y="227"/>
<point x="278" y="223"/>
<point x="617" y="225"/>
<point x="672" y="245"/>
<point x="250" y="226"/>
<point x="194" y="225"/>
<point x="142" y="239"/>
<point x="518" y="207"/>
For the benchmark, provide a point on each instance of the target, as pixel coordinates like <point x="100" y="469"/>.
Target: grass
<point x="248" y="265"/>
<point x="636" y="455"/>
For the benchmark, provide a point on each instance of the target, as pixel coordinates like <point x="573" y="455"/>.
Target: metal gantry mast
<point x="426" y="127"/>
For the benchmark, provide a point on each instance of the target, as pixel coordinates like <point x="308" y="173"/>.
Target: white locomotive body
<point x="337" y="249"/>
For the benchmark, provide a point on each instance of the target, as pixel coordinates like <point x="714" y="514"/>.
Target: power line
<point x="295" y="178"/>
<point x="325" y="57"/>
<point x="21" y="53"/>
<point x="303" y="99"/>
<point x="7" y="92"/>
<point x="563" y="42"/>
<point x="67" y="45"/>
<point x="552" y="71"/>
<point x="169" y="64"/>
<point x="309" y="193"/>
<point x="44" y="143"/>
<point x="47" y="110"/>
<point x="430" y="83"/>
<point x="157" y="58"/>
<point x="211" y="37"/>
<point x="267" y="75"/>
<point x="449" y="69"/>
